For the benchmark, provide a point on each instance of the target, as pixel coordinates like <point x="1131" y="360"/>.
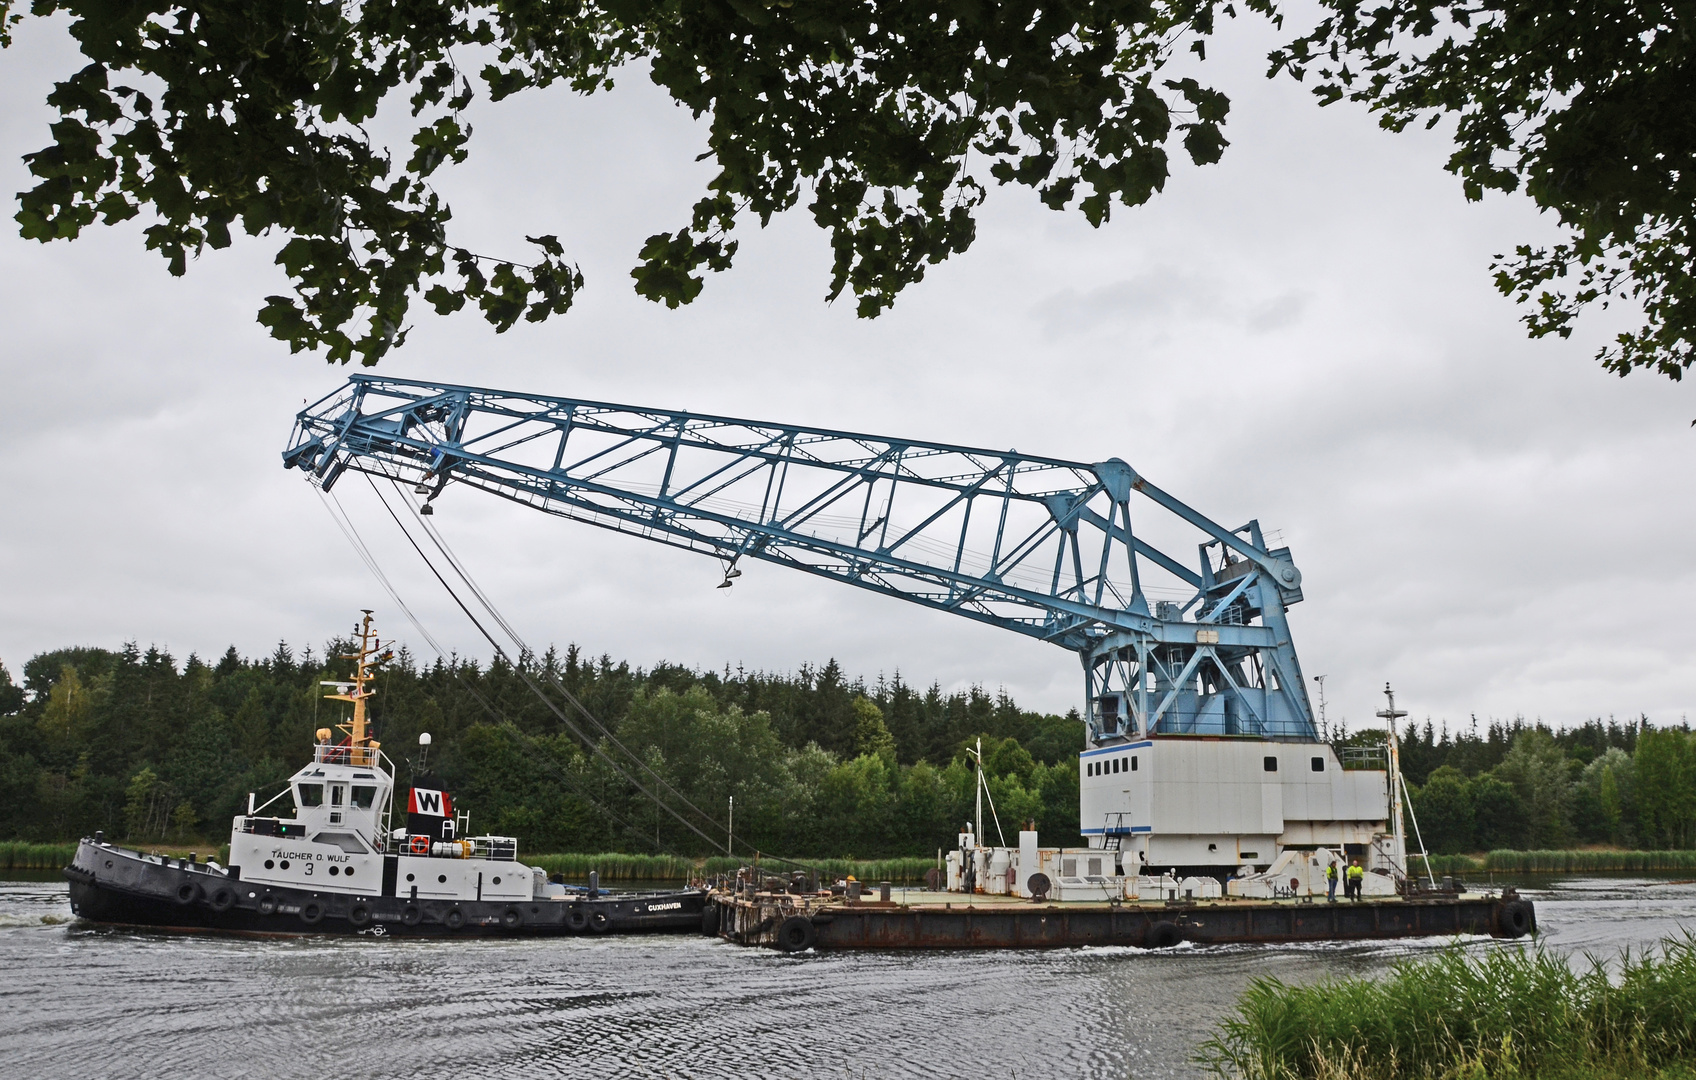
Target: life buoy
<point x="1162" y="935"/>
<point x="311" y="912"/>
<point x="412" y="916"/>
<point x="359" y="915"/>
<point x="796" y="934"/>
<point x="576" y="920"/>
<point x="454" y="919"/>
<point x="186" y="892"/>
<point x="267" y="904"/>
<point x="221" y="899"/>
<point x="709" y="920"/>
<point x="418" y="845"/>
<point x="599" y="923"/>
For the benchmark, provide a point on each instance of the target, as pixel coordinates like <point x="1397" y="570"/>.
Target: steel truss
<point x="1041" y="546"/>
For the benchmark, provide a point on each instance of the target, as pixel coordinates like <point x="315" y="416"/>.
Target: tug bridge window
<point x="363" y="797"/>
<point x="312" y="794"/>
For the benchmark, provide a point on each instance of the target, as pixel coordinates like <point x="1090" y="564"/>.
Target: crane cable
<point x="593" y="746"/>
<point x="344" y="522"/>
<point x="464" y="575"/>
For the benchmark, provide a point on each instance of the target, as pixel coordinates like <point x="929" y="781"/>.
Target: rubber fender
<point x="599" y="923"/>
<point x="709" y="920"/>
<point x="1162" y="935"/>
<point x="186" y="892"/>
<point x="267" y="904"/>
<point x="454" y="919"/>
<point x="221" y="899"/>
<point x="412" y="915"/>
<point x="1513" y="919"/>
<point x="796" y="934"/>
<point x="577" y="920"/>
<point x="359" y="915"/>
<point x="511" y="919"/>
<point x="311" y="912"/>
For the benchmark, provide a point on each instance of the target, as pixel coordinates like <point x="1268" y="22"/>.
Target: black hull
<point x="112" y="885"/>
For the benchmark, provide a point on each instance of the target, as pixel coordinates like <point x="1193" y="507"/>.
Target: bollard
<point x="594" y="884"/>
<point x="883" y="891"/>
<point x="853" y="892"/>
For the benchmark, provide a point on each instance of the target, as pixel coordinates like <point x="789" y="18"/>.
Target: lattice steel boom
<point x="1037" y="545"/>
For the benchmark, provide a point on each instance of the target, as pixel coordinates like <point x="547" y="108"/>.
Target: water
<point x="81" y="1000"/>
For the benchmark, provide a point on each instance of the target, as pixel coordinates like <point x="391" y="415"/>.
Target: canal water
<point x="84" y="1001"/>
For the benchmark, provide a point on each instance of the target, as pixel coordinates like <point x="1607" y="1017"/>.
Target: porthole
<point x="443" y="878"/>
<point x="284" y="865"/>
<point x="348" y="871"/>
<point x="269" y="865"/>
<point x="409" y="877"/>
<point x="334" y="871"/>
<point x="108" y="864"/>
<point x="1270" y="764"/>
<point x="497" y="881"/>
<point x="1318" y="764"/>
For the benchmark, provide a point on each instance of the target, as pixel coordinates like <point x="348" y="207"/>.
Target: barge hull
<point x="1006" y="926"/>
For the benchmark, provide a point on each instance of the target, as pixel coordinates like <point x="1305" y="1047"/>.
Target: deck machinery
<point x="1202" y="759"/>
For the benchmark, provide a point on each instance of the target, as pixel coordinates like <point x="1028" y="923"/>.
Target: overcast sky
<point x="1305" y="333"/>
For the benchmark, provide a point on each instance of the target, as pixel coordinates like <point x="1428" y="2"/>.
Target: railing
<point x="364" y="756"/>
<point x="1366" y="757"/>
<point x="493" y="848"/>
<point x="259" y="826"/>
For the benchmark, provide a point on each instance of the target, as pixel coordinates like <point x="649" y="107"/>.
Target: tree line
<point x="819" y="764"/>
<point x="1526" y="786"/>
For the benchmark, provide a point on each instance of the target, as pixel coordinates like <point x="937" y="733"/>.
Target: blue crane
<point x="1037" y="545"/>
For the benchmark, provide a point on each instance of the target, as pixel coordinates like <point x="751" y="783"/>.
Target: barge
<point x="928" y="920"/>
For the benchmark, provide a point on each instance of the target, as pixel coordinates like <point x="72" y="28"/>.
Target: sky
<point x="1305" y="333"/>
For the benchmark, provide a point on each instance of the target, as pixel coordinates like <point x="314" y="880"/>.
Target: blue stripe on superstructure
<point x="1114" y="749"/>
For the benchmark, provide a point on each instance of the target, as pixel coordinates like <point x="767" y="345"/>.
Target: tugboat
<point x="338" y="867"/>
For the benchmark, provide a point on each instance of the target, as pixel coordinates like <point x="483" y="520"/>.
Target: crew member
<point x="1331" y="882"/>
<point x="1356" y="875"/>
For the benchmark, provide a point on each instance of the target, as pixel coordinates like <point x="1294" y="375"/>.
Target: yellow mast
<point x="362" y="746"/>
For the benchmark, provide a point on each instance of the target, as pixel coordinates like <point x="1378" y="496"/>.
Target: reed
<point x="618" y="867"/>
<point x="1569" y="862"/>
<point x="18" y="855"/>
<point x="1454" y="1016"/>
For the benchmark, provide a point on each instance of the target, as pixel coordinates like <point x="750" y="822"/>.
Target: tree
<point x="216" y="115"/>
<point x="1586" y="106"/>
<point x="11" y="695"/>
<point x="888" y="117"/>
<point x="1445" y="812"/>
<point x="1537" y="768"/>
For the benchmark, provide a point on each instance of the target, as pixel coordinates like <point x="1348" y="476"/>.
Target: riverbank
<point x="1502" y="1013"/>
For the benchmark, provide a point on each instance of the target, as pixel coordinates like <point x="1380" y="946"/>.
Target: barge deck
<point x="902" y="919"/>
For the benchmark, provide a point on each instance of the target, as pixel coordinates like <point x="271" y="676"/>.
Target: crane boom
<point x="1037" y="545"/>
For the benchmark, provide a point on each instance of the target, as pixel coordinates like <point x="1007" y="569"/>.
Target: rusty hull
<point x="755" y="920"/>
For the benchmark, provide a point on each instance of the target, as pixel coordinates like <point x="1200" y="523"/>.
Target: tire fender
<point x="359" y="915"/>
<point x="1162" y="935"/>
<point x="796" y="934"/>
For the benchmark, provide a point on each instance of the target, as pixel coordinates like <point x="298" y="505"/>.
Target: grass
<point x="616" y="867"/>
<point x="1508" y="1013"/>
<point x="1559" y="862"/>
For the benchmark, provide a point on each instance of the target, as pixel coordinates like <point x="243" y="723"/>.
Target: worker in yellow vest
<point x="1331" y="882"/>
<point x="1356" y="875"/>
